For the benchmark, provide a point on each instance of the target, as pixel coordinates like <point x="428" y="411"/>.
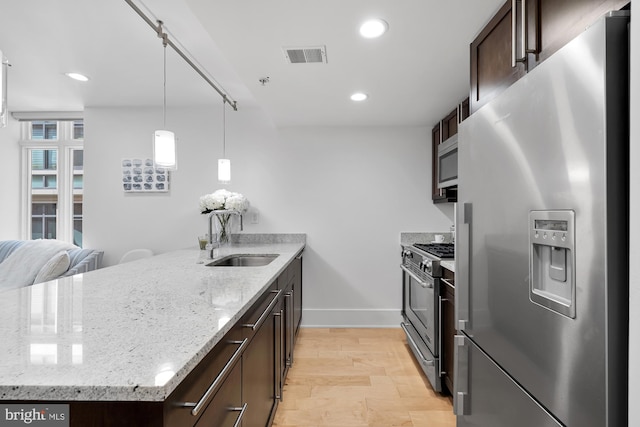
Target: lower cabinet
<point x="227" y="407"/>
<point x="212" y="392"/>
<point x="297" y="294"/>
<point x="288" y="316"/>
<point x="238" y="383"/>
<point x="271" y="326"/>
<point x="241" y="381"/>
<point x="447" y="327"/>
<point x="259" y="360"/>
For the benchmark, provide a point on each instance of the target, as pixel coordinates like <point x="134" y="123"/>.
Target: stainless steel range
<point x="421" y="303"/>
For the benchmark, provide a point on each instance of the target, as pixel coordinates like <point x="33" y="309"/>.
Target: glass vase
<point x="224" y="228"/>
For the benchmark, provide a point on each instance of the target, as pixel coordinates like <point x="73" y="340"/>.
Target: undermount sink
<point x="243" y="260"/>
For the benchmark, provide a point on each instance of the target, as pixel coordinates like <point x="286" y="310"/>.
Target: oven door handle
<point x="416" y="278"/>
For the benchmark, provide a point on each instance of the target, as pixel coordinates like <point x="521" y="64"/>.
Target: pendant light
<point x="164" y="141"/>
<point x="224" y="164"/>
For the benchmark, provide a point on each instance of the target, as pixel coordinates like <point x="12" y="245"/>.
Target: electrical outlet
<point x="254" y="216"/>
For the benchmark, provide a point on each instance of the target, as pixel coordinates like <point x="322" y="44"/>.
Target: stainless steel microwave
<point x="448" y="163"/>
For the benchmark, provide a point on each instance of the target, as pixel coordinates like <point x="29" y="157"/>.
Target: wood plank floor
<point x="358" y="377"/>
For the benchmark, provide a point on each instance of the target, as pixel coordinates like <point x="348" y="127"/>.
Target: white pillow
<point x="57" y="265"/>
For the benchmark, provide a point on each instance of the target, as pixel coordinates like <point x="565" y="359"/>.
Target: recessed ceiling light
<point x="359" y="96"/>
<point x="373" y="28"/>
<point x="78" y="76"/>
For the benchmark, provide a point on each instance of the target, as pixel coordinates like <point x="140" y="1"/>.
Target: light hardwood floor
<point x="358" y="377"/>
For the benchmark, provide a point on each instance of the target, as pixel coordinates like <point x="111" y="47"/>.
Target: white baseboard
<point x="351" y="318"/>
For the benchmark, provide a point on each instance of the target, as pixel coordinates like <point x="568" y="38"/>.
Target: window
<point x="53" y="169"/>
<point x="44" y="129"/>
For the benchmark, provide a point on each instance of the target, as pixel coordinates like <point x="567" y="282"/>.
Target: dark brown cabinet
<point x="501" y="54"/>
<point x="259" y="361"/>
<point x="237" y="383"/>
<point x="226" y="407"/>
<point x="436" y="139"/>
<point x="552" y="23"/>
<point x="445" y="129"/>
<point x="285" y="284"/>
<point x="492" y="70"/>
<point x="288" y="316"/>
<point x="213" y="385"/>
<point x="447" y="328"/>
<point x="297" y="295"/>
<point x="249" y="362"/>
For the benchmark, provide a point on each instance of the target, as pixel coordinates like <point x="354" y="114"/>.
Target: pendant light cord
<point x="224" y="129"/>
<point x="164" y="88"/>
<point x="157" y="27"/>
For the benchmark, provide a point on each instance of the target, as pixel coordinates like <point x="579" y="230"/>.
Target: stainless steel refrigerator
<point x="542" y="243"/>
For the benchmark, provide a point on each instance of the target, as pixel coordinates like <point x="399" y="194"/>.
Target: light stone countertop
<point x="127" y="332"/>
<point x="449" y="264"/>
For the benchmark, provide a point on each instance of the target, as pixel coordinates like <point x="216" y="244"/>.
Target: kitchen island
<point x="131" y="332"/>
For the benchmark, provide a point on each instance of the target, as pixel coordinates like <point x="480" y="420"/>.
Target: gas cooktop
<point x="441" y="250"/>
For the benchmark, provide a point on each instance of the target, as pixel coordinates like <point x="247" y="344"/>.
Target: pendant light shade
<point x="224" y="171"/>
<point x="164" y="149"/>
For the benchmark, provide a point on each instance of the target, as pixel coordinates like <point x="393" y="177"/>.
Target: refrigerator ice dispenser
<point x="552" y="260"/>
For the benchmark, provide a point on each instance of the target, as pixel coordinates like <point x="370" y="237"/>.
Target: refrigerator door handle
<point x="461" y="377"/>
<point x="463" y="267"/>
<point x="523" y="32"/>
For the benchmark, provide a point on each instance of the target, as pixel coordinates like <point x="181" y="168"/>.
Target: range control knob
<point x="426" y="266"/>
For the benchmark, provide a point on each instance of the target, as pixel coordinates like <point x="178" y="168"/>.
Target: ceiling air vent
<point x="305" y="55"/>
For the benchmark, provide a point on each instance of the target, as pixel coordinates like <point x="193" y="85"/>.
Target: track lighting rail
<point x="157" y="27"/>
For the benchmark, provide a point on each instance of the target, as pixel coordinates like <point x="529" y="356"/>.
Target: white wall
<point x="634" y="214"/>
<point x="10" y="180"/>
<point x="352" y="190"/>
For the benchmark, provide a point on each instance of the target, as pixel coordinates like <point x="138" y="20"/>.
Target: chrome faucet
<point x="211" y="246"/>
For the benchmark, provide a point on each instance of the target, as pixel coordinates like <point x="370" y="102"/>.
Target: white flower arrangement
<point x="223" y="200"/>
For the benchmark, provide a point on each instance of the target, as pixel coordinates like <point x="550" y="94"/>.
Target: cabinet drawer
<point x="212" y="370"/>
<point x="226" y="406"/>
<point x="260" y="312"/>
<point x="284" y="280"/>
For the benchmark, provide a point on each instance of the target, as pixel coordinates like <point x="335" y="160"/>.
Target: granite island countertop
<point x="130" y="332"/>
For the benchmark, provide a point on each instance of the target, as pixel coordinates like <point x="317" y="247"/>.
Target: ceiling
<point x="414" y="74"/>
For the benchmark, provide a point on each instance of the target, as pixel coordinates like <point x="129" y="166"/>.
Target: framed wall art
<point x="141" y="176"/>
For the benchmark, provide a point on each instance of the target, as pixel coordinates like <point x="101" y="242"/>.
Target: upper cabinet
<point x="522" y="34"/>
<point x="492" y="66"/>
<point x="443" y="131"/>
<point x="552" y="23"/>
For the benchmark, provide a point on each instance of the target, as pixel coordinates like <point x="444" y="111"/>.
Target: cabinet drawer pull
<point x="265" y="314"/>
<point x="289" y="298"/>
<point x="242" y="411"/>
<point x="279" y="353"/>
<point x="447" y="282"/>
<point x="293" y="327"/>
<point x="215" y="385"/>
